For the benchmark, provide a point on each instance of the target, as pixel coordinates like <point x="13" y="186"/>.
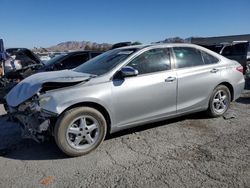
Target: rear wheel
<point x="219" y="101"/>
<point x="80" y="131"/>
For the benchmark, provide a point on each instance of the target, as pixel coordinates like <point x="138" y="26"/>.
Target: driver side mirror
<point x="128" y="71"/>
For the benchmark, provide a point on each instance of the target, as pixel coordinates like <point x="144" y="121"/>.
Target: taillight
<point x="240" y="69"/>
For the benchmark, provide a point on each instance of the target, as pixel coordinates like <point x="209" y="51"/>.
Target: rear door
<point x="197" y="73"/>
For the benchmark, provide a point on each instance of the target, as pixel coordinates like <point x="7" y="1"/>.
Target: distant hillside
<point x="75" y="45"/>
<point x="87" y="45"/>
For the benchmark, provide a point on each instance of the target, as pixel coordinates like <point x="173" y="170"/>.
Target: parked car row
<point x="26" y="56"/>
<point x="19" y="61"/>
<point x="22" y="63"/>
<point x="68" y="60"/>
<point x="27" y="59"/>
<point x="119" y="89"/>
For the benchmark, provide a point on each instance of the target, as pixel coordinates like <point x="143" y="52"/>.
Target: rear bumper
<point x="239" y="88"/>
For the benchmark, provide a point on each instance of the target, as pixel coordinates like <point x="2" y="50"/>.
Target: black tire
<point x="211" y="111"/>
<point x="64" y="122"/>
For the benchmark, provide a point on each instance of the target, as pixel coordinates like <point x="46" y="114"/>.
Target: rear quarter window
<point x="209" y="59"/>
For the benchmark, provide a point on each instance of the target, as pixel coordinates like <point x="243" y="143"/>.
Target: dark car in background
<point x="121" y="44"/>
<point x="237" y="50"/>
<point x="60" y="62"/>
<point x="68" y="60"/>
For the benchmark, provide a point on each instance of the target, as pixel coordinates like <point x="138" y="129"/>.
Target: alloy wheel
<point x="83" y="132"/>
<point x="220" y="102"/>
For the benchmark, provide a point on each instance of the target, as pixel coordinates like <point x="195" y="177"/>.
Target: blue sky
<point x="42" y="23"/>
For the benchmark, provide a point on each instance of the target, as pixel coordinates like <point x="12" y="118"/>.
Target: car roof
<point x="170" y="45"/>
<point x="160" y="45"/>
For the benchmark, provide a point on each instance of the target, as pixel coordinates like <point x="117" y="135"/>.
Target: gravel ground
<point x="192" y="151"/>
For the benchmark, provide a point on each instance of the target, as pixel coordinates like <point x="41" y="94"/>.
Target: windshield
<point x="54" y="60"/>
<point x="105" y="62"/>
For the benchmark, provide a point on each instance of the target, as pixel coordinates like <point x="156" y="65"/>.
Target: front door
<point x="151" y="94"/>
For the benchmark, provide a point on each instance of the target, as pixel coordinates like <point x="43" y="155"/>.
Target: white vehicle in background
<point x="45" y="58"/>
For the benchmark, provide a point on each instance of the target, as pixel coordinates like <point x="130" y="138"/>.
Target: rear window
<point x="187" y="57"/>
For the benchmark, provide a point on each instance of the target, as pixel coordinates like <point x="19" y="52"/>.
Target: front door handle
<point x="170" y="79"/>
<point x="214" y="70"/>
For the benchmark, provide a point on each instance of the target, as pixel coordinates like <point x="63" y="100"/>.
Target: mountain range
<point x="87" y="45"/>
<point x="75" y="45"/>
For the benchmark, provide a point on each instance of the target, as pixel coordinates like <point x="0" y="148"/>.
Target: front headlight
<point x="43" y="101"/>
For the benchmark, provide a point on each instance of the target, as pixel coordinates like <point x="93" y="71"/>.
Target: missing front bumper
<point x="34" y="128"/>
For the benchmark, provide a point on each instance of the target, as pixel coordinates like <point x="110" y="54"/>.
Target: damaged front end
<point x="35" y="123"/>
<point x="25" y="103"/>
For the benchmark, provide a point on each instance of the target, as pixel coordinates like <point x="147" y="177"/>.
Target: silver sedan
<point x="123" y="88"/>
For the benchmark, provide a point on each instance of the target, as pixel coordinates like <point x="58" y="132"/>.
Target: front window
<point x="154" y="60"/>
<point x="105" y="62"/>
<point x="209" y="59"/>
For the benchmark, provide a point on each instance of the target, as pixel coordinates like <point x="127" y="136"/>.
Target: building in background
<point x="218" y="40"/>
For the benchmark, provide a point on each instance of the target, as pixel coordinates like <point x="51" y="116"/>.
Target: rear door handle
<point x="214" y="70"/>
<point x="170" y="79"/>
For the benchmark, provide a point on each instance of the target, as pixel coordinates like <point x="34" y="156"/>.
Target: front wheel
<point x="219" y="101"/>
<point x="80" y="131"/>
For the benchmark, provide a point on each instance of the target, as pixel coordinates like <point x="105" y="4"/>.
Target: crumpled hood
<point x="33" y="84"/>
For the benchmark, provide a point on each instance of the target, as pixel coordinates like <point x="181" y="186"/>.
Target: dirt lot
<point x="192" y="151"/>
